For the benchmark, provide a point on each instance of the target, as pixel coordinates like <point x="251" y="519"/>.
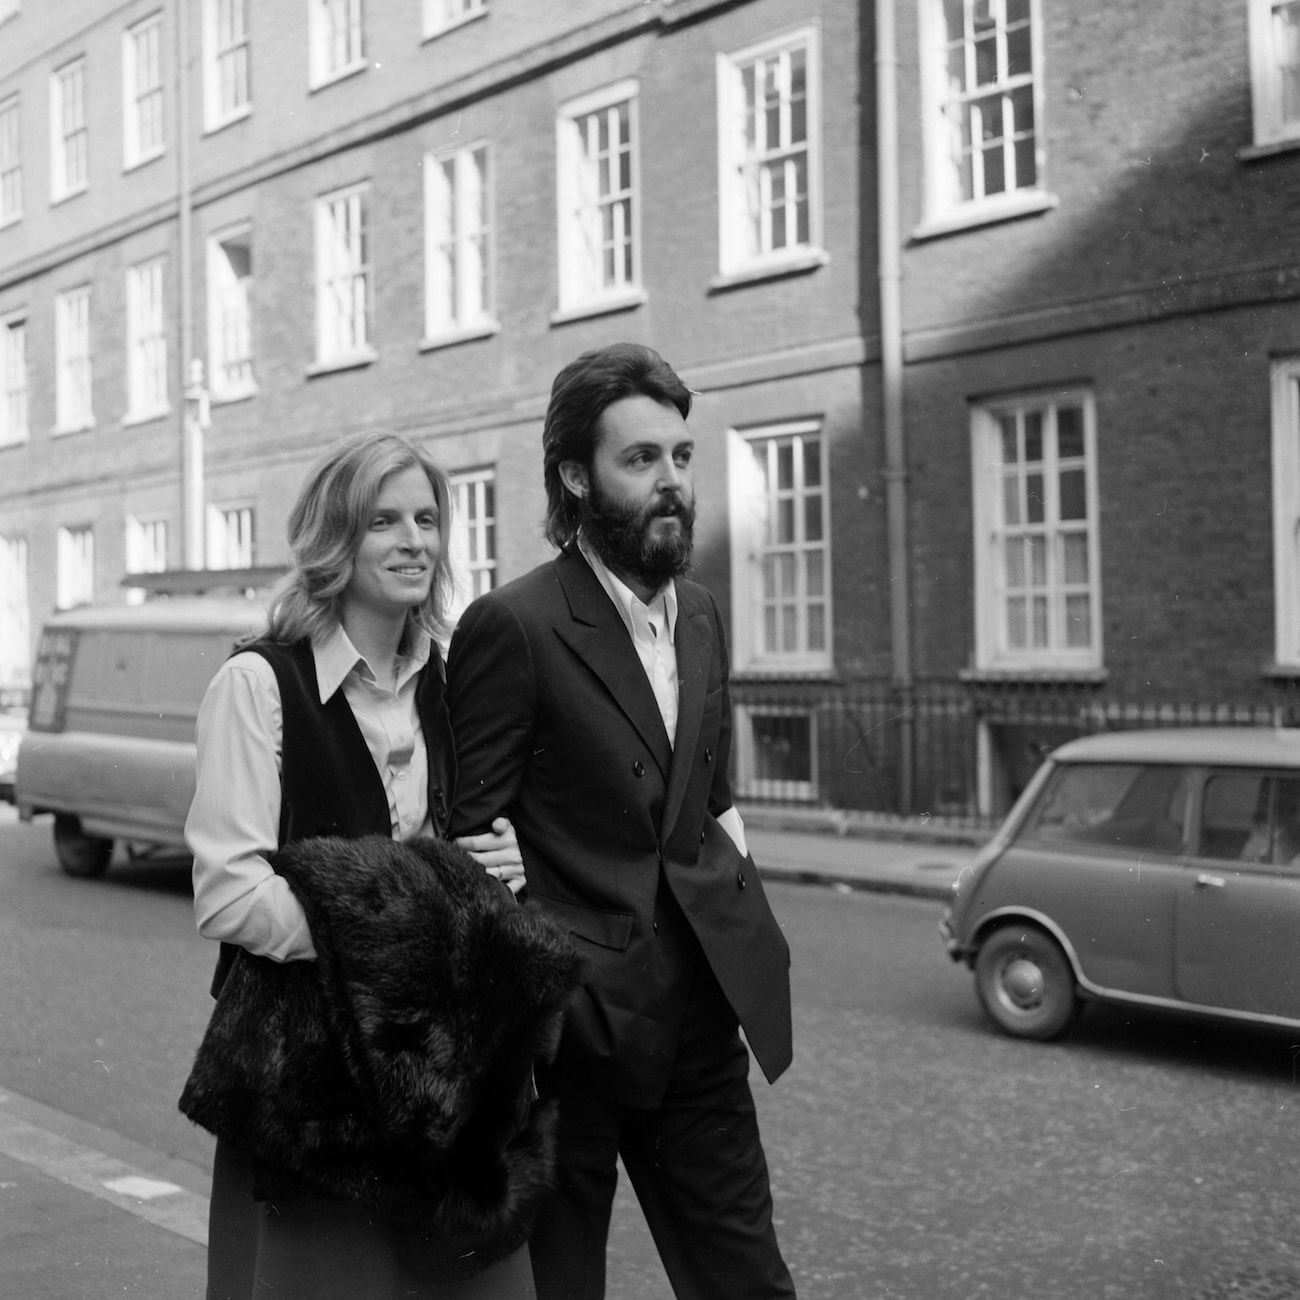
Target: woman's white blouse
<point x="233" y="824"/>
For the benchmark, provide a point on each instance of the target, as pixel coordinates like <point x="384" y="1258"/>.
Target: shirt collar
<point x="336" y="657"/>
<point x="624" y="597"/>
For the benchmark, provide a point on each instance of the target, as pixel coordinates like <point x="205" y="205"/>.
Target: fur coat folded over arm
<point x="396" y="1069"/>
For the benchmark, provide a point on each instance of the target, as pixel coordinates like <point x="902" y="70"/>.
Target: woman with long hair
<point x="332" y="724"/>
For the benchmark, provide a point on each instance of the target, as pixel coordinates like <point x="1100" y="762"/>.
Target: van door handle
<point x="1210" y="882"/>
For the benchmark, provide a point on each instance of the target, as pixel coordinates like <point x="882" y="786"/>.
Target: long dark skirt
<point x="312" y="1248"/>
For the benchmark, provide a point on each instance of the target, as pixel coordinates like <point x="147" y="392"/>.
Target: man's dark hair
<point x="579" y="397"/>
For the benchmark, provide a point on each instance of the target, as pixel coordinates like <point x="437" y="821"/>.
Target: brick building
<point x="1026" y="462"/>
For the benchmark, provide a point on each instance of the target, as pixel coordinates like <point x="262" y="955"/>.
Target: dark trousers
<point x="696" y="1165"/>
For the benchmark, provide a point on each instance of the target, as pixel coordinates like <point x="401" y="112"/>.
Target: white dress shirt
<point x="653" y="629"/>
<point x="234" y="822"/>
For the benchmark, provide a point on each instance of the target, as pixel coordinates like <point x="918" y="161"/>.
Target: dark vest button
<point x="740" y="880"/>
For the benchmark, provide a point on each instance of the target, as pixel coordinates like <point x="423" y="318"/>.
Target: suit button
<point x="701" y="837"/>
<point x="639" y="768"/>
<point x="708" y="755"/>
<point x="740" y="880"/>
<point x="654" y="925"/>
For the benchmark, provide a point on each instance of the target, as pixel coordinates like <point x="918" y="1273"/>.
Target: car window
<point x="1119" y="805"/>
<point x="1251" y="817"/>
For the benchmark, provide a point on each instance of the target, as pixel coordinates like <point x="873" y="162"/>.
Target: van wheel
<point x="1025" y="982"/>
<point x="79" y="854"/>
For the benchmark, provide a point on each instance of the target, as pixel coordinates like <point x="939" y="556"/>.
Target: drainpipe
<point x="891" y="387"/>
<point x="193" y="406"/>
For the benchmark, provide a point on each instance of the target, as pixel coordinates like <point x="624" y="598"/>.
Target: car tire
<point x="1025" y="982"/>
<point x="81" y="855"/>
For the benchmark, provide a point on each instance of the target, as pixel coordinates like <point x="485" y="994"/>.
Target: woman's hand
<point x="498" y="853"/>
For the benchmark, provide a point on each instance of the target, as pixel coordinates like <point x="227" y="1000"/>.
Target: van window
<point x="1115" y="805"/>
<point x="1251" y="817"/>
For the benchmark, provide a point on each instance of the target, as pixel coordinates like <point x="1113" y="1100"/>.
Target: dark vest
<point x="329" y="784"/>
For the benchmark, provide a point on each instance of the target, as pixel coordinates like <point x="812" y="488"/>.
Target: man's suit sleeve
<point x="491" y="700"/>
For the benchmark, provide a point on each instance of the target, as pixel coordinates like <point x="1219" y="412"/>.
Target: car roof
<point x="176" y="614"/>
<point x="1232" y="746"/>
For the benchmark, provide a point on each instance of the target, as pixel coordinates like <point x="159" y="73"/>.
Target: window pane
<point x="1016" y="630"/>
<point x="1010" y="451"/>
<point x="1074" y="494"/>
<point x="782" y="747"/>
<point x="1078" y="621"/>
<point x="1069" y="431"/>
<point x="1033" y="435"/>
<point x="1035" y="507"/>
<point x="1015" y="553"/>
<point x="812" y="519"/>
<point x="1037" y="551"/>
<point x="1011" y="499"/>
<point x="1074" y="549"/>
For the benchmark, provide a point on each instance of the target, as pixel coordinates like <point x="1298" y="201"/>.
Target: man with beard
<point x="589" y="703"/>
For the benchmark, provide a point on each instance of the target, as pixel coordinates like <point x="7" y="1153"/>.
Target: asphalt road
<point x="914" y="1152"/>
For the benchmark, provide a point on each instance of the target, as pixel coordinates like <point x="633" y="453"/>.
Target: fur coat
<point x="396" y="1069"/>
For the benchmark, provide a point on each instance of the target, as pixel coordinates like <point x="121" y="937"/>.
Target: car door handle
<point x="1210" y="882"/>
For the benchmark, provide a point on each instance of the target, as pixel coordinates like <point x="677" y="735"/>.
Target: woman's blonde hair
<point x="326" y="526"/>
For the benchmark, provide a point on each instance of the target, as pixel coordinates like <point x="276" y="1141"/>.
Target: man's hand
<point x="498" y="853"/>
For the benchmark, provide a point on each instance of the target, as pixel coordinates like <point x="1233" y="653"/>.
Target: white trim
<point x="751" y="786"/>
<point x="214" y="117"/>
<point x="320" y="73"/>
<point x="218" y="268"/>
<point x="1265" y="81"/>
<point x="1285" y="384"/>
<point x="135" y="152"/>
<point x="361" y="350"/>
<point x="734" y="260"/>
<point x="466" y="319"/>
<point x="991" y="650"/>
<point x="582" y="286"/>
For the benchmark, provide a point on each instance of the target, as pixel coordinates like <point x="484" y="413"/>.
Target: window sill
<point x="134" y="164"/>
<point x="220" y="124"/>
<point x="66" y="430"/>
<point x="455" y="24"/>
<point x="229" y="396"/>
<point x="972" y="216"/>
<point x="1282" y="672"/>
<point x="339" y="74"/>
<point x="18" y="440"/>
<point x="133" y="418"/>
<point x="6" y="222"/>
<point x="806" y="261"/>
<point x="765" y="674"/>
<point x="599" y="307"/>
<point x="356" y="361"/>
<point x="1268" y="149"/>
<point x="485" y="329"/>
<point x="66" y="195"/>
<point x="1037" y="676"/>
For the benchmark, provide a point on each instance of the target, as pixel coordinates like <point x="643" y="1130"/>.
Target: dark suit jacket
<point x="556" y="725"/>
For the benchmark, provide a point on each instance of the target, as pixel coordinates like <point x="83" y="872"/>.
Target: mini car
<point x="1157" y="869"/>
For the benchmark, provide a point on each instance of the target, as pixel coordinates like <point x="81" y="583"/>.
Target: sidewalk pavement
<point x="86" y="1213"/>
<point x="921" y="857"/>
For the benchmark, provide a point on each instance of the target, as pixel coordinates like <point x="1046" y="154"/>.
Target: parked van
<point x="109" y="746"/>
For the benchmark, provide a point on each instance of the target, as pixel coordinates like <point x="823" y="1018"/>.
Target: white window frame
<point x="75" y="566"/>
<point x="13" y="379"/>
<point x="995" y="535"/>
<point x="336" y="36"/>
<point x="343" y="277"/>
<point x="230" y="327"/>
<point x="753" y="496"/>
<point x="459" y="239"/>
<point x="759" y="197"/>
<point x="227" y="63"/>
<point x="1286" y="510"/>
<point x="146" y="341"/>
<point x="69" y="136"/>
<point x="15" y="613"/>
<point x="444" y="15"/>
<point x="146" y="550"/>
<point x="749" y="785"/>
<point x="11" y="160"/>
<point x="947" y="111"/>
<point x="473" y="540"/>
<point x="231" y="536"/>
<point x="144" y="128"/>
<point x="1275" y="66"/>
<point x="74" y="365"/>
<point x="587" y="281"/>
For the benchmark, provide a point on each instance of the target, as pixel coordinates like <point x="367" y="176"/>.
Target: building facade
<point x="991" y="306"/>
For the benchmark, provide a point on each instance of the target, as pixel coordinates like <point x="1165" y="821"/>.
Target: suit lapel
<point x="694" y="644"/>
<point x="597" y="635"/>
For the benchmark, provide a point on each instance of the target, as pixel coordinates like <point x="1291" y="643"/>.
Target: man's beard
<point x="620" y="533"/>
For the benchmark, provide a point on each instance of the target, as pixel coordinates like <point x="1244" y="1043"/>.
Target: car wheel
<point x="1025" y="982"/>
<point x="79" y="854"/>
